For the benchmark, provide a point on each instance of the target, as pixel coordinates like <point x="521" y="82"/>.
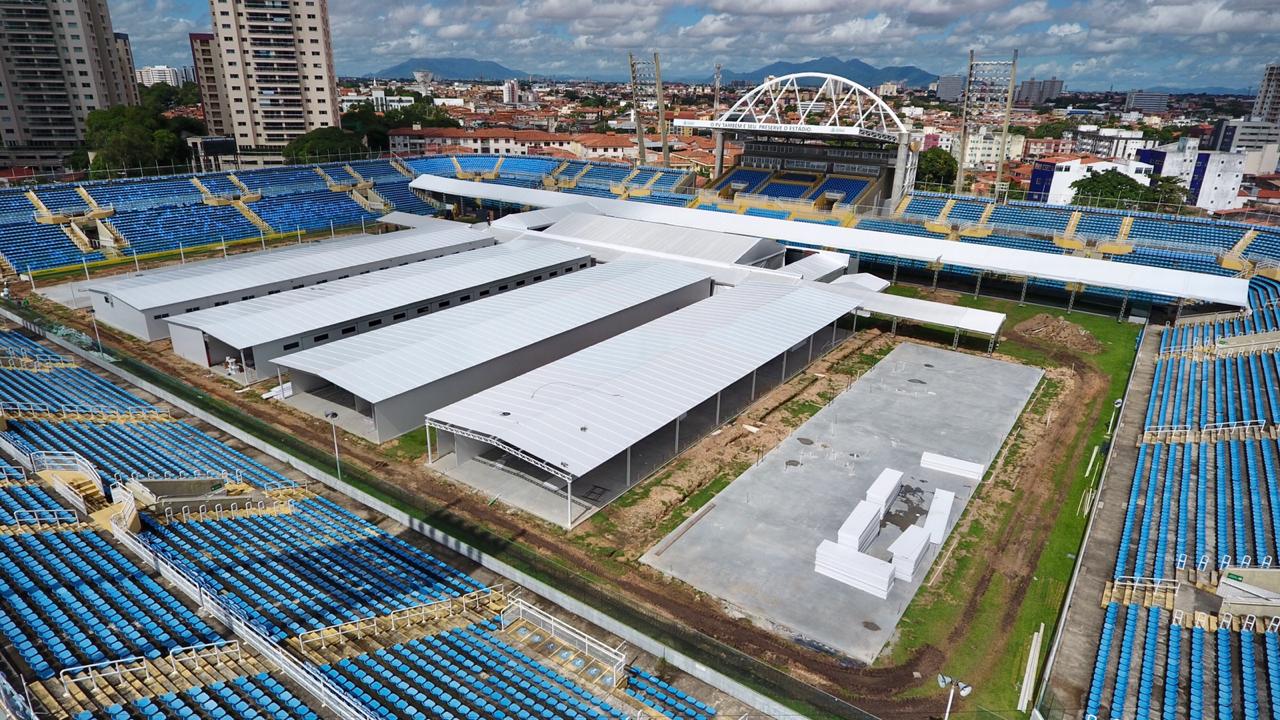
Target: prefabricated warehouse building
<point x="380" y="383"/>
<point x="139" y="304"/>
<point x="257" y="331"/>
<point x="588" y="426"/>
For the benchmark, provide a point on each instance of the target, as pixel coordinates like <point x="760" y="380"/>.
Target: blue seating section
<point x="528" y="165"/>
<point x="746" y="176"/>
<point x="62" y="199"/>
<point x="1103" y="226"/>
<point x="924" y="207"/>
<point x="70" y="599"/>
<point x="146" y="449"/>
<point x="1173" y="259"/>
<point x="260" y="696"/>
<point x="315" y="567"/>
<point x="850" y="188"/>
<point x="667" y="699"/>
<point x="15" y="207"/>
<point x="900" y="228"/>
<point x="436" y="165"/>
<point x="311" y="211"/>
<point x="642" y="176"/>
<point x="664" y="198"/>
<point x="606" y="173"/>
<point x="592" y="190"/>
<point x="477" y="163"/>
<point x="967" y="211"/>
<point x="219" y="184"/>
<point x="402" y="197"/>
<point x="1263" y="316"/>
<point x="1028" y="218"/>
<point x="379" y="170"/>
<point x="14" y="343"/>
<point x="1210" y="237"/>
<point x="14" y="498"/>
<point x="668" y="180"/>
<point x="29" y="245"/>
<point x="64" y="388"/>
<point x="783" y="189"/>
<point x="762" y="212"/>
<point x="166" y="228"/>
<point x="143" y="194"/>
<point x="282" y="180"/>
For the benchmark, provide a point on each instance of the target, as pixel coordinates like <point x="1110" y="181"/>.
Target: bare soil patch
<point x="1061" y="332"/>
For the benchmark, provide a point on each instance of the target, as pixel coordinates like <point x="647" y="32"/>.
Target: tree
<point x="1114" y="189"/>
<point x="936" y="167"/>
<point x="136" y="140"/>
<point x="329" y="143"/>
<point x="425" y="114"/>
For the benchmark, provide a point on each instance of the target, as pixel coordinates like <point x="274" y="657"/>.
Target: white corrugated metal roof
<point x="580" y="411"/>
<point x="983" y="322"/>
<point x="818" y="265"/>
<point x="384" y="363"/>
<point x="297" y="312"/>
<point x="1064" y="268"/>
<point x="701" y="244"/>
<point x="194" y="280"/>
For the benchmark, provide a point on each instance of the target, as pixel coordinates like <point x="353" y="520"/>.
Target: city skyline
<point x="1091" y="44"/>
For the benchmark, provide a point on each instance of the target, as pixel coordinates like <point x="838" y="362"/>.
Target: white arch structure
<point x="838" y="106"/>
<point x="834" y="108"/>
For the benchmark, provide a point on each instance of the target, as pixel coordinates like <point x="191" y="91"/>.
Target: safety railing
<point x="103" y="672"/>
<point x="14" y="704"/>
<point x="63" y="460"/>
<point x="43" y="516"/>
<point x="64" y="409"/>
<point x="214" y="653"/>
<point x="219" y="511"/>
<point x="612" y="657"/>
<point x="425" y="612"/>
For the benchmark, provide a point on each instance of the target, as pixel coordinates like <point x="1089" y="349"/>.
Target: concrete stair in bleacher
<point x="400" y="167"/>
<point x="77" y="236"/>
<point x="1126" y="225"/>
<point x="144" y="677"/>
<point x="902" y="206"/>
<point x="946" y="209"/>
<point x="252" y="216"/>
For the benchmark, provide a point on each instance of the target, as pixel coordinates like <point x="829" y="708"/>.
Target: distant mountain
<point x="1206" y="90"/>
<point x="854" y="69"/>
<point x="450" y="68"/>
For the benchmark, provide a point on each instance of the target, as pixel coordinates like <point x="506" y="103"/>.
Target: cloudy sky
<point x="1093" y="44"/>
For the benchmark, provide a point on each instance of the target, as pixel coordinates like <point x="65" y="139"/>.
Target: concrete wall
<point x="549" y="592"/>
<point x="189" y="343"/>
<point x="150" y="324"/>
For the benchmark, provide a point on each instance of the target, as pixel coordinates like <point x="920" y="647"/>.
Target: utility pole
<point x="1004" y="131"/>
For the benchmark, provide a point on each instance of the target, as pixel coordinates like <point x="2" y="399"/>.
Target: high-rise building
<point x="1212" y="178"/>
<point x="124" y="52"/>
<point x="950" y="88"/>
<point x="1037" y="92"/>
<point x="274" y="76"/>
<point x="1111" y="142"/>
<point x="156" y="74"/>
<point x="1147" y="102"/>
<point x="58" y="62"/>
<point x="204" y="53"/>
<point x="511" y="92"/>
<point x="187" y="74"/>
<point x="1266" y="107"/>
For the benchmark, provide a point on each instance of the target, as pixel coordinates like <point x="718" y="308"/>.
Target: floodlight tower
<point x="646" y="83"/>
<point x="988" y="89"/>
<point x="718" y="134"/>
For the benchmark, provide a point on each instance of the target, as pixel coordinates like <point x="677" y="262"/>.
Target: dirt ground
<point x="1059" y="331"/>
<point x="636" y="527"/>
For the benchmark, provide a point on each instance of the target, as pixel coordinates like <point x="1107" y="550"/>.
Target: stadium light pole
<point x="332" y="416"/>
<point x="947" y="680"/>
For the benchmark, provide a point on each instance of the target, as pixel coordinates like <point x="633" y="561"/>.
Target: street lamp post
<point x="332" y="416"/>
<point x="954" y="684"/>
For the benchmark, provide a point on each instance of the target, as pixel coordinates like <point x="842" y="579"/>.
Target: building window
<point x="397" y="316"/>
<point x="348" y="330"/>
<point x="291" y="346"/>
<point x="320" y="338"/>
<point x="375" y="323"/>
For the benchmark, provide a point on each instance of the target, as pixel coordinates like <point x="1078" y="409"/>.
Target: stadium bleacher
<point x="282" y="180"/>
<point x="167" y="227"/>
<point x="311" y="211"/>
<point x="401" y="196"/>
<point x="848" y="188"/>
<point x="748" y="177"/>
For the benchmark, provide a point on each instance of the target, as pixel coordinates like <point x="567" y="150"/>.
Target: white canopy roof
<point x="982" y="322"/>
<point x="578" y="412"/>
<point x="193" y="280"/>
<point x="297" y="312"/>
<point x="818" y="265"/>
<point x="1028" y="263"/>
<point x="384" y="363"/>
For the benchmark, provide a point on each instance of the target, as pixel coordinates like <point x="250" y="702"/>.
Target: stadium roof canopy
<point x="288" y="314"/>
<point x="391" y="361"/>
<point x="572" y="415"/>
<point x="194" y="280"/>
<point x="1024" y="263"/>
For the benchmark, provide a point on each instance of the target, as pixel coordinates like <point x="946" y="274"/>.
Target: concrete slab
<point x="506" y="478"/>
<point x="336" y="400"/>
<point x="754" y="545"/>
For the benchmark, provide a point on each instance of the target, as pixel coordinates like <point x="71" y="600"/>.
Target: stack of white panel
<point x="854" y="568"/>
<point x="884" y="489"/>
<point x="953" y="466"/>
<point x="862" y="526"/>
<point x="908" y="552"/>
<point x="939" y="514"/>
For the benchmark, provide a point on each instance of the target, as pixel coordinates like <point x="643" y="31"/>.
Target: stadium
<point x="500" y="436"/>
